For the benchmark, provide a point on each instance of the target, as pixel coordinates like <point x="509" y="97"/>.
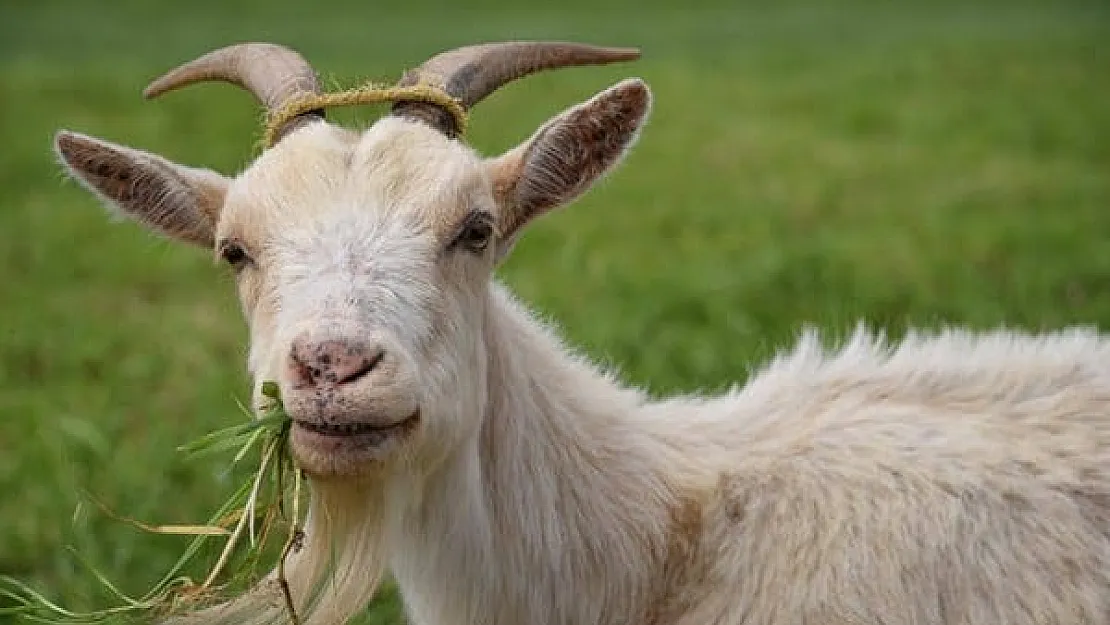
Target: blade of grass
<point x="178" y="530"/>
<point x="271" y="430"/>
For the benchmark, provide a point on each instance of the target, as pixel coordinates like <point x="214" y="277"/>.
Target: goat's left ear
<point x="566" y="156"/>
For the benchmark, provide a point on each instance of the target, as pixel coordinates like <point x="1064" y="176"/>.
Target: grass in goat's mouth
<point x="248" y="522"/>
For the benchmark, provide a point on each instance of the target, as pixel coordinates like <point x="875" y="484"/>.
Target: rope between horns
<point x="366" y="94"/>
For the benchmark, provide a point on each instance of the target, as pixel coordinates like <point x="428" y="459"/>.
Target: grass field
<point x="900" y="163"/>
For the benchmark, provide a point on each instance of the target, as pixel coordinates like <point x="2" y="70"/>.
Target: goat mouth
<point x="358" y="430"/>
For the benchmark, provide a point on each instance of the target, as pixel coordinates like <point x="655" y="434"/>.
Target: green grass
<point x="901" y="163"/>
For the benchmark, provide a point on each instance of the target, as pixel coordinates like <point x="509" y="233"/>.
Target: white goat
<point x="452" y="440"/>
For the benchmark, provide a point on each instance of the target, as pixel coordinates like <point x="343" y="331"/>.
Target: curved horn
<point x="473" y="72"/>
<point x="272" y="73"/>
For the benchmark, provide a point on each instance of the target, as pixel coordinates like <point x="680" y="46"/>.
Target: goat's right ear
<point x="174" y="200"/>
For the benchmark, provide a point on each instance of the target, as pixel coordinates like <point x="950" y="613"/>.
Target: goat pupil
<point x="234" y="254"/>
<point x="476" y="235"/>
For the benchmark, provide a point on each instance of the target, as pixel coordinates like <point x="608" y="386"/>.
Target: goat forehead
<point x="394" y="169"/>
<point x="354" y="251"/>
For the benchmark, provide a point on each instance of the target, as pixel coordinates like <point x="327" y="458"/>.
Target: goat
<point x="452" y="440"/>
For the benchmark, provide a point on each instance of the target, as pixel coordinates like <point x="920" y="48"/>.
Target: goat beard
<point x="330" y="578"/>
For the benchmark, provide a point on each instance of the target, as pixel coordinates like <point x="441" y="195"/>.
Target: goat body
<point x="953" y="478"/>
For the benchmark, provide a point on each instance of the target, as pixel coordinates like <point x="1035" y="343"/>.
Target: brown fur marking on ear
<point x="570" y="153"/>
<point x="177" y="201"/>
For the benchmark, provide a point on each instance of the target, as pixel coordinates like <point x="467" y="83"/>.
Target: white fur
<point x="953" y="479"/>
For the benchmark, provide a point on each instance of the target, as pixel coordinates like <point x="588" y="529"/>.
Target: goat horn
<point x="272" y="73"/>
<point x="473" y="72"/>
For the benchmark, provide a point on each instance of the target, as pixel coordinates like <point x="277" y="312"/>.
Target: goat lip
<point x="353" y="430"/>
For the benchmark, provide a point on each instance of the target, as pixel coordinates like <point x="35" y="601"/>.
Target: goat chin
<point x="333" y="576"/>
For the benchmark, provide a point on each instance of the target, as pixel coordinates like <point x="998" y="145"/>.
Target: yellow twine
<point x="366" y="94"/>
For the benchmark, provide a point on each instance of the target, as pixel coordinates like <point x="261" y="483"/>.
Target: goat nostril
<point x="366" y="366"/>
<point x="303" y="374"/>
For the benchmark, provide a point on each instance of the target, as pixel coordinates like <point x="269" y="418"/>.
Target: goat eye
<point x="234" y="255"/>
<point x="475" y="235"/>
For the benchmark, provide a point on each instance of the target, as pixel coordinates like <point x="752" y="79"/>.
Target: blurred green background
<point x="901" y="163"/>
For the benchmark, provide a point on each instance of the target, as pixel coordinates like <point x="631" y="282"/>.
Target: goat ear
<point x="566" y="156"/>
<point x="174" y="200"/>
